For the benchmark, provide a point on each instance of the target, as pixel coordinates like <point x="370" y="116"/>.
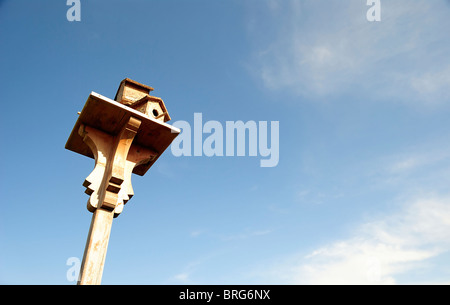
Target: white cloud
<point x="395" y="243"/>
<point x="323" y="48"/>
<point x="379" y="251"/>
<point x="358" y="262"/>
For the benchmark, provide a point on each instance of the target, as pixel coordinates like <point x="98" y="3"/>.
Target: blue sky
<point x="360" y="194"/>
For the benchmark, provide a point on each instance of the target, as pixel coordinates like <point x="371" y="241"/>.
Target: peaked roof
<point x="135" y="83"/>
<point x="153" y="99"/>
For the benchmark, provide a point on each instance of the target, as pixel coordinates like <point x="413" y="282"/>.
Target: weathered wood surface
<point x="109" y="116"/>
<point x="131" y="91"/>
<point x="109" y="184"/>
<point x="136" y="96"/>
<point x="96" y="247"/>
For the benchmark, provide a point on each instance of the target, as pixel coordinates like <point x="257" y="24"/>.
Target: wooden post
<point x="122" y="140"/>
<point x="95" y="251"/>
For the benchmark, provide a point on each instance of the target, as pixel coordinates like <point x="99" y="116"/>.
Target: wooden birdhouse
<point x="136" y="96"/>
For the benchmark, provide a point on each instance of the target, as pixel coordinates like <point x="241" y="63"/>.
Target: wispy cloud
<point x="378" y="252"/>
<point x="407" y="238"/>
<point x="186" y="275"/>
<point x="182" y="277"/>
<point x="425" y="168"/>
<point x="416" y="160"/>
<point x="385" y="248"/>
<point x="323" y="48"/>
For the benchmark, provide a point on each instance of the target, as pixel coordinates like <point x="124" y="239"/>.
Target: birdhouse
<point x="136" y="96"/>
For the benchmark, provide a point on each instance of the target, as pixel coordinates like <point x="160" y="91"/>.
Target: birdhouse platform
<point x="110" y="116"/>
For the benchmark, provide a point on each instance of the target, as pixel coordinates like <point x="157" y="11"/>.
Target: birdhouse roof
<point x="149" y="98"/>
<point x="133" y="83"/>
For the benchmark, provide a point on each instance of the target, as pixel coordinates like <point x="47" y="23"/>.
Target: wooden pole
<point x="96" y="246"/>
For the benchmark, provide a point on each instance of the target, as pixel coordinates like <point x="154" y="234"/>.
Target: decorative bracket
<point x="109" y="184"/>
